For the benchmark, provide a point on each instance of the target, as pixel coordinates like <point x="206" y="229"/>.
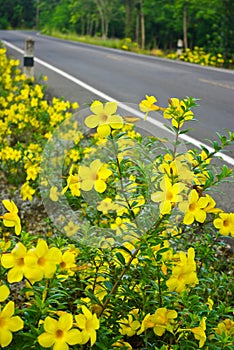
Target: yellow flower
<point x="149" y="105"/>
<point x="169" y="195"/>
<point x="32" y="172"/>
<point x="129" y="326"/>
<point x="27" y="191"/>
<point x="4" y="292"/>
<point x="54" y="194"/>
<point x="177" y="112"/>
<point x="226" y="327"/>
<point x="72" y="183"/>
<point x="16" y="262"/>
<point x="67" y="260"/>
<point x="104" y="118"/>
<point x="183" y="273"/>
<point x="88" y="323"/>
<point x="122" y="225"/>
<point x="199" y="332"/>
<point x="210" y="303"/>
<point x="105" y="205"/>
<point x="160" y="321"/>
<point x="71" y="229"/>
<point x="11" y="219"/>
<point x="59" y="333"/>
<point x="225" y="224"/>
<point x="194" y="208"/>
<point x="94" y="176"/>
<point x="46" y="260"/>
<point x="9" y="324"/>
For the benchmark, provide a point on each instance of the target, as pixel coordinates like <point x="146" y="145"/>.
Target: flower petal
<point x="46" y="340"/>
<point x="92" y="121"/>
<point x="65" y="322"/>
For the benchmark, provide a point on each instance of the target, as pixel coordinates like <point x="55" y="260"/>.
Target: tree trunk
<point x="127" y="19"/>
<point x="185" y="28"/>
<point x="137" y="29"/>
<point x="142" y="26"/>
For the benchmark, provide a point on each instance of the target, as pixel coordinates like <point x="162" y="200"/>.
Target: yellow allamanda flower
<point x="168" y="195"/>
<point x="71" y="229"/>
<point x="67" y="262"/>
<point x="162" y="320"/>
<point x="11" y="219"/>
<point x="46" y="260"/>
<point x="32" y="172"/>
<point x="183" y="273"/>
<point x="94" y="176"/>
<point x="59" y="334"/>
<point x="88" y="323"/>
<point x="121" y="225"/>
<point x="72" y="183"/>
<point x="148" y="105"/>
<point x="19" y="265"/>
<point x="104" y="118"/>
<point x="9" y="324"/>
<point x="199" y="332"/>
<point x="9" y="153"/>
<point x="226" y="327"/>
<point x="106" y="205"/>
<point x="225" y="224"/>
<point x="177" y="112"/>
<point x="54" y="194"/>
<point x="27" y="191"/>
<point x="194" y="208"/>
<point x="129" y="326"/>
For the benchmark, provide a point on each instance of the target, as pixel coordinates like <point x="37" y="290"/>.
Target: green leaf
<point x="108" y="285"/>
<point x="120" y="257"/>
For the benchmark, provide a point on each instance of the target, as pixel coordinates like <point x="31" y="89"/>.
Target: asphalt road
<point x="127" y="77"/>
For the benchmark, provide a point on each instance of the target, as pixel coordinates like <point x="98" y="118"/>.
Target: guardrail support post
<point x="29" y="58"/>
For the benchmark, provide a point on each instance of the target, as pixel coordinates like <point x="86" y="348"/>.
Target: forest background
<point x="151" y="24"/>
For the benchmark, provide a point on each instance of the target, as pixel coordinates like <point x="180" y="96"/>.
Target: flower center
<point x="20" y="262"/>
<point x="2" y="322"/>
<point x="169" y="196"/>
<point x="41" y="261"/>
<point x="63" y="265"/>
<point x="192" y="206"/>
<point x="103" y="117"/>
<point x="59" y="333"/>
<point x="225" y="223"/>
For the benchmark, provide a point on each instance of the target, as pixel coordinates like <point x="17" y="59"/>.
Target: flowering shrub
<point x="199" y="56"/>
<point x="135" y="259"/>
<point x="27" y="120"/>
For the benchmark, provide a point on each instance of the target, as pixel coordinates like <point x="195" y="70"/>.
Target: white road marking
<point x="216" y="83"/>
<point x="137" y="113"/>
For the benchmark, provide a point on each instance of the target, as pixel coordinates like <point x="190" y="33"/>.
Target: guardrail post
<point x="29" y="58"/>
<point x="179" y="47"/>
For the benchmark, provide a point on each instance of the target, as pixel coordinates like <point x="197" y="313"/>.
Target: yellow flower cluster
<point x="26" y="120"/>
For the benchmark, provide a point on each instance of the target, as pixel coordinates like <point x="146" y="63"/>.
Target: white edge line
<point x="101" y="94"/>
